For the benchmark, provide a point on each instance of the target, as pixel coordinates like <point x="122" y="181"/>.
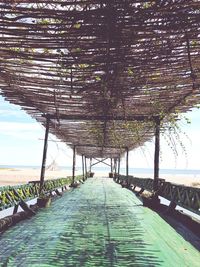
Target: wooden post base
<point x="44" y="202"/>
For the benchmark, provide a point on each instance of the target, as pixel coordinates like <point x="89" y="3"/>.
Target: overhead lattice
<point x="102" y="70"/>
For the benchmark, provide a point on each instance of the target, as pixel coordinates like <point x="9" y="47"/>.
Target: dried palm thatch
<point x="102" y="71"/>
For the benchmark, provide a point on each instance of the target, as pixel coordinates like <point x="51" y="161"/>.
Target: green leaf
<point x="77" y="26"/>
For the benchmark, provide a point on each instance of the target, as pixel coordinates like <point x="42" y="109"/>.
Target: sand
<point x="22" y="176"/>
<point x="187" y="180"/>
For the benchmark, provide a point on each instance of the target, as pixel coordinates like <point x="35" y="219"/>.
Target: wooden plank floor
<point x="98" y="224"/>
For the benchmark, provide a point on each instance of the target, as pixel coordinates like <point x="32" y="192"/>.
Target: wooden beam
<point x="101" y="161"/>
<point x="90" y="145"/>
<point x="44" y="154"/>
<point x="85" y="145"/>
<point x="99" y="117"/>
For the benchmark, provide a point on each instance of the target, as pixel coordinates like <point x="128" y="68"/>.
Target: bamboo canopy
<point x="103" y="72"/>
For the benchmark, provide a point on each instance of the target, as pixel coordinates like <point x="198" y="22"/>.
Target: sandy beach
<point x="22" y="176"/>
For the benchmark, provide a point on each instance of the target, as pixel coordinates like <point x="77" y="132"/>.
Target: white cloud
<point x="13" y="113"/>
<point x="21" y="130"/>
<point x="18" y="126"/>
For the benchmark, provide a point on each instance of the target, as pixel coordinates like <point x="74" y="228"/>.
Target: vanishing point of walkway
<point x="98" y="224"/>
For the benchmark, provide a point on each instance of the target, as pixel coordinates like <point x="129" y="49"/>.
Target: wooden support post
<point x="83" y="167"/>
<point x="86" y="167"/>
<point x="23" y="204"/>
<point x="118" y="167"/>
<point x="156" y="154"/>
<point x="171" y="207"/>
<point x="111" y="165"/>
<point x="140" y="192"/>
<point x="90" y="164"/>
<point x="74" y="164"/>
<point x="115" y="167"/>
<point x="58" y="193"/>
<point x="44" y="154"/>
<point x="127" y="163"/>
<point x="15" y="208"/>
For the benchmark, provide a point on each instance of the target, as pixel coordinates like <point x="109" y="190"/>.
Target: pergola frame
<point x="103" y="72"/>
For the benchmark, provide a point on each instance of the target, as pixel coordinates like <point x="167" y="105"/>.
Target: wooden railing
<point x="13" y="195"/>
<point x="184" y="196"/>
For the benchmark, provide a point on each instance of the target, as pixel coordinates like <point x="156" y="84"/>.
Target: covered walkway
<point x="98" y="224"/>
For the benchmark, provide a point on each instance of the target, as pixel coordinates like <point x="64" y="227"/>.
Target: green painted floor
<point x="98" y="224"/>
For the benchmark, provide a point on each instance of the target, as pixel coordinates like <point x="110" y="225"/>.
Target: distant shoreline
<point x="13" y="175"/>
<point x="107" y="169"/>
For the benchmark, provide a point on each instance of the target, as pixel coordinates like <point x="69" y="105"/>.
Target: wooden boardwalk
<point x="98" y="224"/>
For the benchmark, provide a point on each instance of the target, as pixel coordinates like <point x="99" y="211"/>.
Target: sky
<point x="21" y="143"/>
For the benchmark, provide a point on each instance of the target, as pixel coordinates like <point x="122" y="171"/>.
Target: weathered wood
<point x="13" y="195"/>
<point x="15" y="209"/>
<point x="44" y="153"/>
<point x="26" y="208"/>
<point x="140" y="192"/>
<point x="58" y="193"/>
<point x="184" y="196"/>
<point x="83" y="168"/>
<point x="115" y="167"/>
<point x="111" y="165"/>
<point x="119" y="159"/>
<point x="23" y="204"/>
<point x="101" y="161"/>
<point x="103" y="72"/>
<point x="74" y="165"/>
<point x="171" y="207"/>
<point x="156" y="154"/>
<point x="86" y="167"/>
<point x="90" y="165"/>
<point x="127" y="162"/>
<point x="99" y="117"/>
<point x="9" y="221"/>
<point x="44" y="202"/>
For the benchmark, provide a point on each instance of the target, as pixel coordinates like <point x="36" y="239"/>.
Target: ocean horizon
<point x="132" y="171"/>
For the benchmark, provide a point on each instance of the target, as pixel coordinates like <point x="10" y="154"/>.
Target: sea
<point x="106" y="169"/>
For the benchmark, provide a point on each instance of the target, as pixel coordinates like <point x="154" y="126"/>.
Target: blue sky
<point x="21" y="144"/>
<point x="20" y="139"/>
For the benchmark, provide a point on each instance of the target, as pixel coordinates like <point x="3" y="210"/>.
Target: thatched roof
<point x="102" y="70"/>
